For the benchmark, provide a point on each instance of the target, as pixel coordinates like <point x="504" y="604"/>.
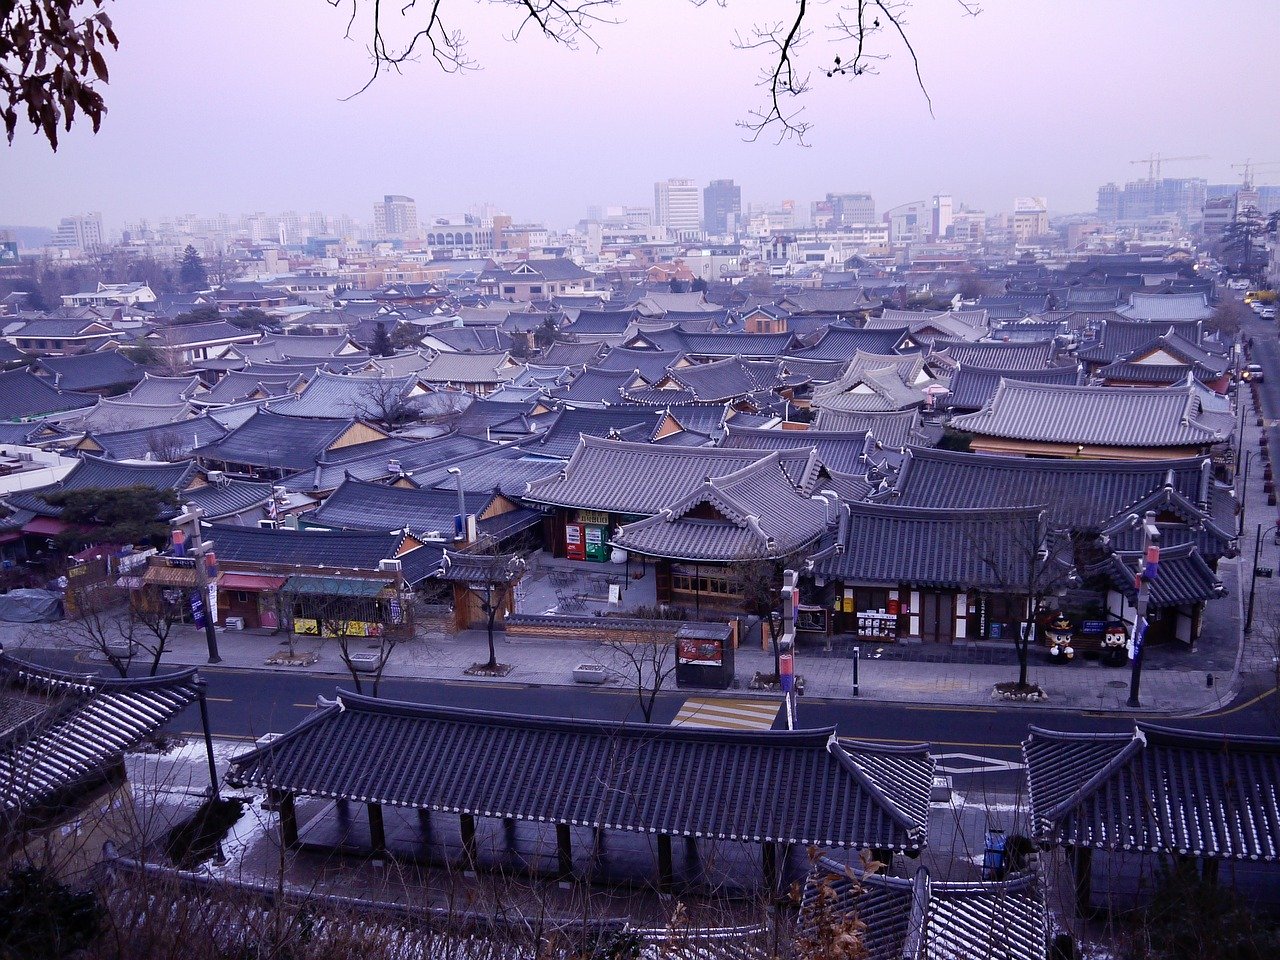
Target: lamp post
<point x="1244" y="490"/>
<point x="1148" y="570"/>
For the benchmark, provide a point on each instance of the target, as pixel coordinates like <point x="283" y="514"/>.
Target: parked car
<point x="1267" y="313"/>
<point x="1252" y="372"/>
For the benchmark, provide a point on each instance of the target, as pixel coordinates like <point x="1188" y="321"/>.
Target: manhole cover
<point x="1117" y="683"/>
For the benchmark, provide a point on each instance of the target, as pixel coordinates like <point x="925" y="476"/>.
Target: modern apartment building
<point x="721" y="207"/>
<point x="396" y="218"/>
<point x="677" y="205"/>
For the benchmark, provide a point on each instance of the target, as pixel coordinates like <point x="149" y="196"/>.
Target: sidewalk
<point x="539" y="662"/>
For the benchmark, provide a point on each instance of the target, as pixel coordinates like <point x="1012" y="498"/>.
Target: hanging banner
<point x="197" y="609"/>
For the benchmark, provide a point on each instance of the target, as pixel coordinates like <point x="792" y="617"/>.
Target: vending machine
<point x="575" y="547"/>
<point x="597" y="543"/>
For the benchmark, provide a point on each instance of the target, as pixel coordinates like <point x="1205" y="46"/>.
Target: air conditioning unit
<point x="393" y="466"/>
<point x="235" y="623"/>
<point x="215" y="476"/>
<point x="389" y="566"/>
<point x="269" y="524"/>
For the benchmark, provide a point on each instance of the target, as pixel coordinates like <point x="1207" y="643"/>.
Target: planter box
<point x="590" y="673"/>
<point x="364" y="662"/>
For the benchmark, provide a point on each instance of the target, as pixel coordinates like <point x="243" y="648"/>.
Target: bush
<point x="45" y="919"/>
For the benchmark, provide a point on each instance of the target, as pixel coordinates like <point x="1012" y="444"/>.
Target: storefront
<point x="253" y="599"/>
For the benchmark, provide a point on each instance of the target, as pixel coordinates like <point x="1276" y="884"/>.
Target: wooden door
<point x="937" y="617"/>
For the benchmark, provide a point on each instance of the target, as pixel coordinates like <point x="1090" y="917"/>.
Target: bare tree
<point x="115" y="625"/>
<point x="166" y="446"/>
<point x="1017" y="549"/>
<point x="367" y="629"/>
<point x="861" y="34"/>
<point x="645" y="660"/>
<point x="386" y="401"/>
<point x="488" y="577"/>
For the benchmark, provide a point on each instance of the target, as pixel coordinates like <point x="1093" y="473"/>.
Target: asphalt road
<point x="248" y="703"/>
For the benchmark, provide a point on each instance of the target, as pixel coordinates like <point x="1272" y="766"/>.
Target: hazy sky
<point x="237" y="106"/>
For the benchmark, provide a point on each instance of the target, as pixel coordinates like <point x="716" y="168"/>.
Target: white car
<point x="1267" y="313"/>
<point x="1253" y="373"/>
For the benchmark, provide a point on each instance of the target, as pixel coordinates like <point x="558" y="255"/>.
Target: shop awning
<point x="161" y="576"/>
<point x="334" y="586"/>
<point x="250" y="581"/>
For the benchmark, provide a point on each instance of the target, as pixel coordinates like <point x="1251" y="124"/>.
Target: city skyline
<point x="155" y="154"/>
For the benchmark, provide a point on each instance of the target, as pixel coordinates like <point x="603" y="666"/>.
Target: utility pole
<point x="787" y="644"/>
<point x="1253" y="579"/>
<point x="1148" y="570"/>
<point x="204" y="557"/>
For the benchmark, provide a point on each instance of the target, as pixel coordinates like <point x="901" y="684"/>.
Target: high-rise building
<point x="843" y="210"/>
<point x="721" y="207"/>
<point x="1183" y="197"/>
<point x="81" y="232"/>
<point x="941" y="221"/>
<point x="677" y="205"/>
<point x="396" y="218"/>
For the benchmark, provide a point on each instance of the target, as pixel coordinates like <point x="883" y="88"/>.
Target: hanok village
<point x="664" y="485"/>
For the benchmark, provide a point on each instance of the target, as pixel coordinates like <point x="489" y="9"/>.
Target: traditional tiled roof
<point x="360" y="505"/>
<point x="1167" y="306"/>
<point x="110" y="415"/>
<point x="23" y="395"/>
<point x="598" y="386"/>
<point x="723" y="380"/>
<point x="61" y="732"/>
<point x="1013" y="355"/>
<point x="341" y="397"/>
<point x="1167" y="359"/>
<point x="753" y="513"/>
<point x="1156" y="790"/>
<point x="839" y="342"/>
<point x="650" y="364"/>
<point x="217" y="331"/>
<point x="463" y="368"/>
<point x="228" y="498"/>
<point x="634" y="777"/>
<point x="840" y="451"/>
<point x="875" y="384"/>
<point x="561" y="437"/>
<point x="169" y="441"/>
<point x="1185" y="577"/>
<point x="506" y="469"/>
<point x="828" y="301"/>
<point x="572" y="354"/>
<point x="890" y="429"/>
<point x="275" y="347"/>
<point x="288" y="443"/>
<point x="1075" y="492"/>
<point x="643" y="478"/>
<point x="253" y="381"/>
<point x="341" y="549"/>
<point x="946" y="549"/>
<point x="162" y="390"/>
<point x="972" y="387"/>
<point x="409" y="460"/>
<point x="1119" y="338"/>
<point x="755" y="346"/>
<point x="918" y="918"/>
<point x="92" y="371"/>
<point x="1095" y="416"/>
<point x="469" y="339"/>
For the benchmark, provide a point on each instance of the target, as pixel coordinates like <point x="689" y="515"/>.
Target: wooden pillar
<point x="691" y="849"/>
<point x="377" y="829"/>
<point x="564" y="852"/>
<point x="1082" y="874"/>
<point x="288" y="819"/>
<point x="769" y="857"/>
<point x="665" y="873"/>
<point x="467" y="825"/>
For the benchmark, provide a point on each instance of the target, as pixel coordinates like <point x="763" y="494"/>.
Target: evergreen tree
<point x="191" y="272"/>
<point x="381" y="346"/>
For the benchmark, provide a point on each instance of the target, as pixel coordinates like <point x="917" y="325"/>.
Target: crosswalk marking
<point x="718" y="713"/>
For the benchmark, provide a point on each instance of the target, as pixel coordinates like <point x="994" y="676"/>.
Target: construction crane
<point x="1248" y="166"/>
<point x="1153" y="163"/>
